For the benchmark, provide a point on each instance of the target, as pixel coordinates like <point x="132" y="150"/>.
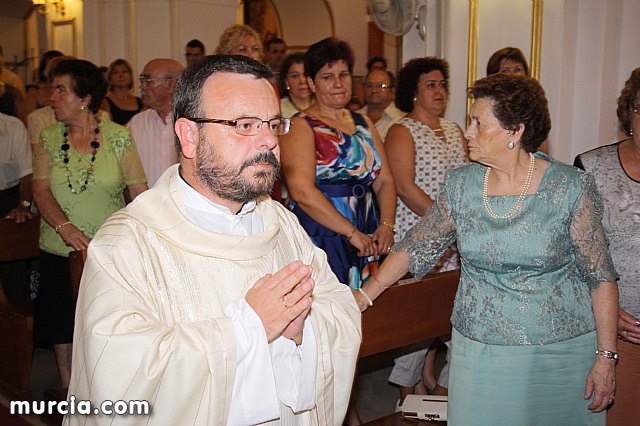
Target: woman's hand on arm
<point x="601" y="378"/>
<point x="298" y="156"/>
<point x="400" y="149"/>
<point x="53" y="214"/>
<point x="628" y="327"/>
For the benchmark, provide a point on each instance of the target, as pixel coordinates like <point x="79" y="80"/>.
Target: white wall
<point x="141" y="30"/>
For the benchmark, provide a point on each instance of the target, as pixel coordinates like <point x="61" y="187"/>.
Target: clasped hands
<point x="380" y="242"/>
<point x="282" y="301"/>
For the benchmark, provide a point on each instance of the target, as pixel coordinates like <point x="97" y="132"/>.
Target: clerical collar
<point x="218" y="218"/>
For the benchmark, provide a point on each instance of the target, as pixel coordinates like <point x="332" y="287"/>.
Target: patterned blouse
<point x="525" y="280"/>
<point x="117" y="165"/>
<point x="621" y="196"/>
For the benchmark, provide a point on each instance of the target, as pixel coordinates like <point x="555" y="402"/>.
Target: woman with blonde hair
<point x="240" y="40"/>
<point x="119" y="101"/>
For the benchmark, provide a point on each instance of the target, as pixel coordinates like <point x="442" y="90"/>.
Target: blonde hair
<point x="232" y="36"/>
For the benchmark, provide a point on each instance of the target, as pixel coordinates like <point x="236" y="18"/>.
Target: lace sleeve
<point x="589" y="241"/>
<point x="428" y="239"/>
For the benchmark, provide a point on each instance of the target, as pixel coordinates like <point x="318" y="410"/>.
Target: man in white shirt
<point x="15" y="170"/>
<point x="204" y="295"/>
<point x="379" y="93"/>
<point x="15" y="196"/>
<point x="152" y="129"/>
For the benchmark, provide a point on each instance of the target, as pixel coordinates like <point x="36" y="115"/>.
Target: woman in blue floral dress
<point x="336" y="170"/>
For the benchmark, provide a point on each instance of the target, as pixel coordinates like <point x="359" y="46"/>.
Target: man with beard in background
<point x="206" y="297"/>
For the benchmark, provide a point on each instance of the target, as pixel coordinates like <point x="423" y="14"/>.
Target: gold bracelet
<point x="59" y="227"/>
<point x="372" y="278"/>
<point x="389" y="224"/>
<point x="353" y="232"/>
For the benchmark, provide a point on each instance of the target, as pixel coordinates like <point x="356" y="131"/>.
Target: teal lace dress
<point x="523" y="326"/>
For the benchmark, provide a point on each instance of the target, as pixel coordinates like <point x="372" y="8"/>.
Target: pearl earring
<point x="415" y="99"/>
<point x="511" y="145"/>
<point x="288" y="88"/>
<point x="82" y="107"/>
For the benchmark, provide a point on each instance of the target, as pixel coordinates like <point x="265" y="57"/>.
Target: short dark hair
<point x="511" y="53"/>
<point x="196" y="43"/>
<point x="86" y="80"/>
<point x="187" y="94"/>
<point x="287" y="62"/>
<point x="112" y="67"/>
<point x="629" y="100"/>
<point x="375" y="59"/>
<point x="327" y="52"/>
<point x="517" y="99"/>
<point x="409" y="76"/>
<point x="44" y="60"/>
<point x="274" y="40"/>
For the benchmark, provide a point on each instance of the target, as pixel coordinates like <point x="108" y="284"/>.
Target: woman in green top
<point x="535" y="315"/>
<point x="82" y="165"/>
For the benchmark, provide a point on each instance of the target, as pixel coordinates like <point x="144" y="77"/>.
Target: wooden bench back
<point x="409" y="313"/>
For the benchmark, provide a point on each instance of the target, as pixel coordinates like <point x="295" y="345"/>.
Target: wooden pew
<point x="402" y="320"/>
<point x="17" y="242"/>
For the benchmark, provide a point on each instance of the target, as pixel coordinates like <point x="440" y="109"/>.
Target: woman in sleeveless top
<point x="333" y="163"/>
<point x="119" y="101"/>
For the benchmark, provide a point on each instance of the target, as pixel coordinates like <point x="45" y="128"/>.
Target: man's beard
<point x="230" y="184"/>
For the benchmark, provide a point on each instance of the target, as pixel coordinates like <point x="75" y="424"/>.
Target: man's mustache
<point x="262" y="158"/>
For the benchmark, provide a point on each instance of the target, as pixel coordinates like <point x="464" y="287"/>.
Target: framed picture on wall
<point x="63" y="36"/>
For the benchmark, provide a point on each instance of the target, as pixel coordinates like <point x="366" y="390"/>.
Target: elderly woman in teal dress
<point x="335" y="168"/>
<point x="534" y="318"/>
<point x="82" y="164"/>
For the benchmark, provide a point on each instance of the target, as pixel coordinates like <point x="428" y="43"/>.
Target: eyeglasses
<point x="149" y="80"/>
<point x="250" y="126"/>
<point x="381" y="86"/>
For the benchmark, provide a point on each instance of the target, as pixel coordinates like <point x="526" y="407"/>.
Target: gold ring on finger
<point x="284" y="303"/>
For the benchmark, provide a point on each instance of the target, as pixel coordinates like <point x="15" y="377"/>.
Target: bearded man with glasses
<point x="213" y="301"/>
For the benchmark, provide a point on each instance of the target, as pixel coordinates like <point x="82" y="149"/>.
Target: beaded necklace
<point x="518" y="204"/>
<point x="65" y="151"/>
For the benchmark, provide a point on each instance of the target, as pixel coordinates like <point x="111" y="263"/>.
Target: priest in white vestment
<point x="205" y="297"/>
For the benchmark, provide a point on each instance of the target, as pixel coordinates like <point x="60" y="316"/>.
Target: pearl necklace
<point x="518" y="204"/>
<point x="65" y="150"/>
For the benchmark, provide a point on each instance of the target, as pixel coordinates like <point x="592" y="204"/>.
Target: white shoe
<point x="398" y="406"/>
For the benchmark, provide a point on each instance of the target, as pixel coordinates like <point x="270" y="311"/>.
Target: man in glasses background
<point x="379" y="93"/>
<point x="152" y="129"/>
<point x="204" y="295"/>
